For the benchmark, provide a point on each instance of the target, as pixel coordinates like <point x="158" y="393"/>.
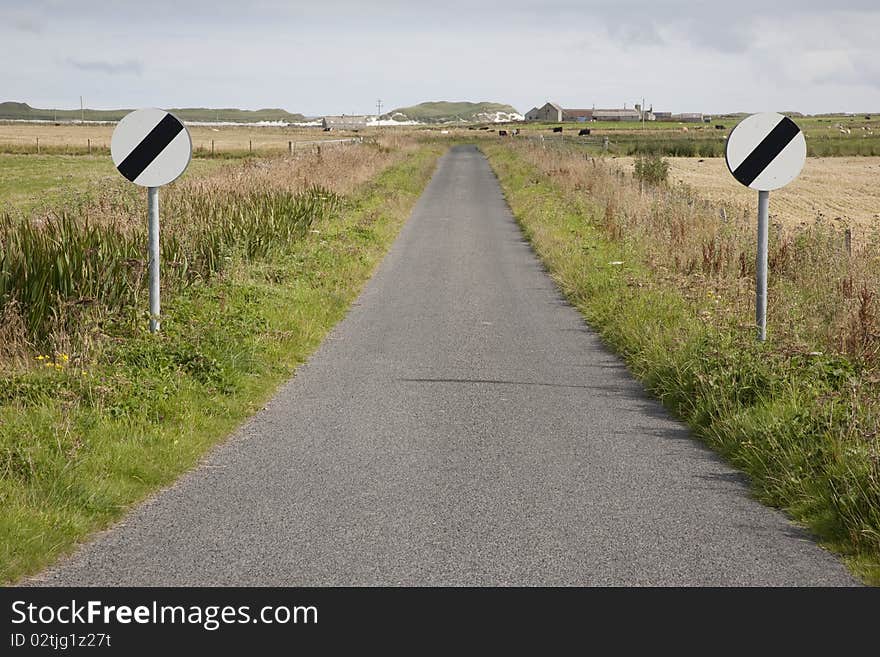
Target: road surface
<point x="462" y="425"/>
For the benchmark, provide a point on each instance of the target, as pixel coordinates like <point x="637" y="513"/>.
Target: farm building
<point x="688" y="117"/>
<point x="662" y="116"/>
<point x="579" y="115"/>
<point x="344" y="122"/>
<point x="617" y="115"/>
<point x="550" y="112"/>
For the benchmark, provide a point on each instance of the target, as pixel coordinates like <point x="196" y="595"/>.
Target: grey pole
<point x="153" y="210"/>
<point x="761" y="265"/>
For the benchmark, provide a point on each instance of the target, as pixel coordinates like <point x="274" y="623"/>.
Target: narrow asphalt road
<point x="462" y="425"/>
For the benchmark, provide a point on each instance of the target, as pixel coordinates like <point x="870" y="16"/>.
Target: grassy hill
<point x="447" y="112"/>
<point x="12" y="111"/>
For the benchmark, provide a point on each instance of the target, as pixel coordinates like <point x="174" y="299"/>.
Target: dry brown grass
<point x="840" y="191"/>
<point x="820" y="298"/>
<point x="23" y="136"/>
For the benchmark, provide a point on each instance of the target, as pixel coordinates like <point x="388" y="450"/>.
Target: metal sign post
<point x="765" y="152"/>
<point x="761" y="265"/>
<point x="153" y="212"/>
<point x="151" y="148"/>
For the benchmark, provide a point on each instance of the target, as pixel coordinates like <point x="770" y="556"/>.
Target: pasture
<point x="228" y="141"/>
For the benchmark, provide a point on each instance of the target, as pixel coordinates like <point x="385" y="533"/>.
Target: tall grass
<point x="65" y="261"/>
<point x="80" y="270"/>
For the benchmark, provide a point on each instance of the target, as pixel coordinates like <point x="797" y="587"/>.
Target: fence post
<point x="250" y="146"/>
<point x="290" y="148"/>
<point x="89" y="145"/>
<point x="38" y="145"/>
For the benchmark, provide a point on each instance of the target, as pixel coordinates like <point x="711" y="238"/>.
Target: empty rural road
<point x="462" y="425"/>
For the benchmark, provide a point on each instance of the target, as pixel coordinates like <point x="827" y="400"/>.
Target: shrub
<point x="652" y="169"/>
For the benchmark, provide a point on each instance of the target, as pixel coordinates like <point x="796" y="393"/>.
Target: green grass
<point x="32" y="182"/>
<point x="802" y="425"/>
<point x="81" y="442"/>
<point x="823" y="135"/>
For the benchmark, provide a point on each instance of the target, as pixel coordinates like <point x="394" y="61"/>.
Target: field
<point x="827" y="136"/>
<point x="227" y="140"/>
<point x="44" y="182"/>
<point x="840" y="191"/>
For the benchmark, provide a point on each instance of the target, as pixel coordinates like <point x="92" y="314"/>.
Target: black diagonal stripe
<point x="148" y="150"/>
<point x="771" y="146"/>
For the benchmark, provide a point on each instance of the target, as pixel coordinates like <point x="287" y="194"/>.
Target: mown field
<point x="228" y="141"/>
<point x="839" y="191"/>
<point x="670" y="286"/>
<point x="46" y="182"/>
<point x="260" y="259"/>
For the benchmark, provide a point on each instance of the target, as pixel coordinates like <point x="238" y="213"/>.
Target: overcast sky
<point x="330" y="56"/>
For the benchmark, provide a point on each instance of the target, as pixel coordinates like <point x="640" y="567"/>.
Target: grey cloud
<point x="131" y="66"/>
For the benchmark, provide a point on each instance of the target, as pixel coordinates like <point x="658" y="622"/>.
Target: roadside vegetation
<point x="669" y="284"/>
<point x="260" y="260"/>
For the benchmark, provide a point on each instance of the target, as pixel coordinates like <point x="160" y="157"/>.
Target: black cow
<point x="583" y="132"/>
<point x="502" y="133"/>
<point x="719" y="127"/>
<point x="558" y="129"/>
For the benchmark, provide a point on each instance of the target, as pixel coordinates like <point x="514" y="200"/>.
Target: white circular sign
<point x="151" y="147"/>
<point x="766" y="151"/>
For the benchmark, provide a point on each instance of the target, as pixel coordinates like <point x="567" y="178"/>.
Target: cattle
<point x="583" y="132"/>
<point x="502" y="133"/>
<point x="557" y="129"/>
<point x="719" y="127"/>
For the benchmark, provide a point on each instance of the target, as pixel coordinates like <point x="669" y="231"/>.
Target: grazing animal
<point x="719" y="127"/>
<point x="502" y="133"/>
<point x="583" y="132"/>
<point x="559" y="129"/>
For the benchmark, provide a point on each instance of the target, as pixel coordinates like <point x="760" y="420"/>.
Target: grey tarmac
<point x="461" y="426"/>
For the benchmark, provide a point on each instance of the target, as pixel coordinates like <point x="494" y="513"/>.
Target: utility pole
<point x="378" y="110"/>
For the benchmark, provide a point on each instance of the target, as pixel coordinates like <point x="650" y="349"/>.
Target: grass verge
<point x="801" y="424"/>
<point x="81" y="442"/>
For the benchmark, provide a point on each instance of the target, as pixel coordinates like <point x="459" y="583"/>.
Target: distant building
<point x="688" y="117"/>
<point x="663" y="116"/>
<point x="549" y="112"/>
<point x="617" y="115"/>
<point x="579" y="115"/>
<point x="344" y="122"/>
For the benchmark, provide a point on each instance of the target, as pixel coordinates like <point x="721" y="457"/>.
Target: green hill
<point x="12" y="111"/>
<point x="463" y="112"/>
